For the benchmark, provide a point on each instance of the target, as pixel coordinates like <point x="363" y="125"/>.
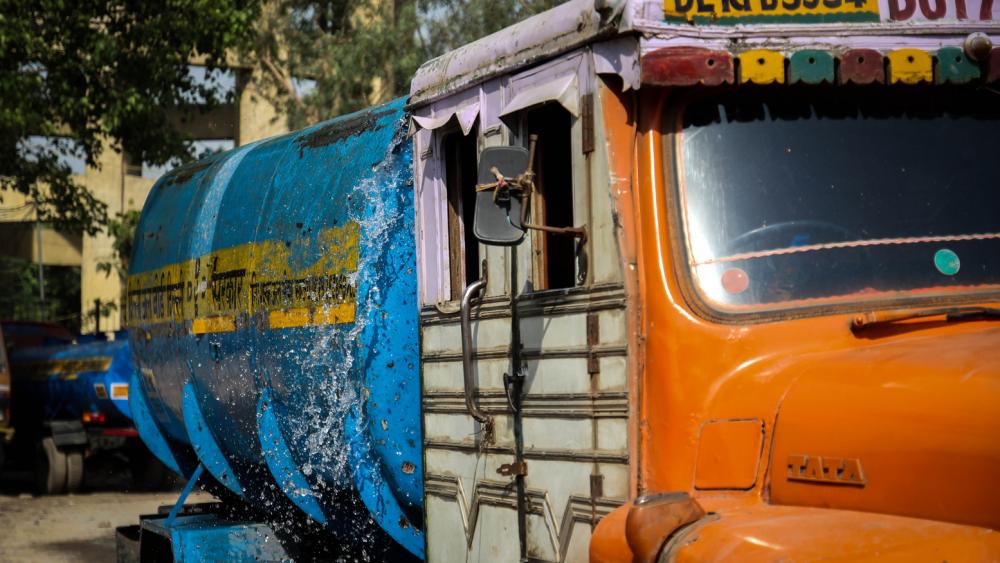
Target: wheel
<point x="74" y="471"/>
<point x="50" y="468"/>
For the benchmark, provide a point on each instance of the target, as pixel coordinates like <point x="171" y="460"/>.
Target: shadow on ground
<point x="103" y="472"/>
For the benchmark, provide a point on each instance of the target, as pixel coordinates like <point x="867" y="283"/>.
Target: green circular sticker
<point x="947" y="262"/>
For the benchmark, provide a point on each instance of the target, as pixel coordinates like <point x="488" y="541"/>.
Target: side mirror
<point x="498" y="212"/>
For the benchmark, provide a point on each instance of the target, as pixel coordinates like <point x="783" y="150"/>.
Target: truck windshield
<point x="804" y="196"/>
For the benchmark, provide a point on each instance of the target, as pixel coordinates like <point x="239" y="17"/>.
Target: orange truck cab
<point x="770" y="326"/>
<point x="819" y="375"/>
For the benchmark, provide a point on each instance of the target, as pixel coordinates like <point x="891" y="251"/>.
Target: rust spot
<point x="341" y="129"/>
<point x="403" y="523"/>
<point x="385" y="424"/>
<point x="184" y="173"/>
<point x="408" y="468"/>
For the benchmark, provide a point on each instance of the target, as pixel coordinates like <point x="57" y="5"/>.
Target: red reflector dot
<point x="735" y="281"/>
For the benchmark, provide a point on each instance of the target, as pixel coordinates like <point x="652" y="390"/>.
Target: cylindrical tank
<point x="86" y="381"/>
<point x="271" y="303"/>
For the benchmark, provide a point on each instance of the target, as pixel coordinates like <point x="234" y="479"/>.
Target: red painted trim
<point x="994" y="73"/>
<point x="687" y="66"/>
<point x="862" y="66"/>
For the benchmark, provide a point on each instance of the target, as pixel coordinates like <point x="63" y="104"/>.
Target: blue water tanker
<point x="87" y="381"/>
<point x="70" y="401"/>
<point x="271" y="304"/>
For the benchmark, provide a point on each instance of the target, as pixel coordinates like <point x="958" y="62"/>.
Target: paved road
<point x="71" y="528"/>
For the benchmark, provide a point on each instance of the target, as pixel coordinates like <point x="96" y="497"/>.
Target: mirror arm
<point x="529" y="175"/>
<point x="580" y="232"/>
<point x="470" y="403"/>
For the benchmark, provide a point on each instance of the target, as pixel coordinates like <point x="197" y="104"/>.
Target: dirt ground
<point x="72" y="528"/>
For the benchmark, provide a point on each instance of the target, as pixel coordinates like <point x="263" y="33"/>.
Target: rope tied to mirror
<point x="503" y="187"/>
<point x="523" y="186"/>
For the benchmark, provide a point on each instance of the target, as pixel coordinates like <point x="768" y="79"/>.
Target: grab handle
<point x="470" y="403"/>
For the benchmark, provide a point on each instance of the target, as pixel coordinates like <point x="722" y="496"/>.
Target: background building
<point x="123" y="185"/>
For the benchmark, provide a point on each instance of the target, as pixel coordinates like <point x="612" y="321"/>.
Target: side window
<point x="553" y="255"/>
<point x="460" y="183"/>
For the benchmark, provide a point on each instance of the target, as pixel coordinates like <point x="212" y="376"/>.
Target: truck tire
<point x="50" y="468"/>
<point x="74" y="470"/>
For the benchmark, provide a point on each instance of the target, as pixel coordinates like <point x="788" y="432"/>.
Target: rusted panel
<point x="810" y="66"/>
<point x="587" y="116"/>
<point x="516" y="468"/>
<point x="340" y="129"/>
<point x="862" y="66"/>
<point x="955" y="67"/>
<point x="687" y="66"/>
<point x="183" y="174"/>
<point x="596" y="486"/>
<point x="593" y="339"/>
<point x="994" y="72"/>
<point x="455" y="251"/>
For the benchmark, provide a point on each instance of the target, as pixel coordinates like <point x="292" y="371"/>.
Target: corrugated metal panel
<point x="574" y="421"/>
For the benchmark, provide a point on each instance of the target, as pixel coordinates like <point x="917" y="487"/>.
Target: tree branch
<point x="283" y="80"/>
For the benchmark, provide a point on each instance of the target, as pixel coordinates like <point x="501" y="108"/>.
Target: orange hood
<point x="909" y="426"/>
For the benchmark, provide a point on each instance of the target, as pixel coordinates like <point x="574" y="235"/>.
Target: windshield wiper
<point x="875" y="318"/>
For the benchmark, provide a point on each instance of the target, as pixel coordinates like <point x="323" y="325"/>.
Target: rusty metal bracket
<point x="528" y="186"/>
<point x="587" y="122"/>
<point x="579" y="232"/>
<point x="513" y="469"/>
<point x="593" y="340"/>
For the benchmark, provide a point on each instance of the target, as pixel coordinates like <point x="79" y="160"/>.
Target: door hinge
<point x="596" y="486"/>
<point x="516" y="468"/>
<point x="593" y="339"/>
<point x="587" y="118"/>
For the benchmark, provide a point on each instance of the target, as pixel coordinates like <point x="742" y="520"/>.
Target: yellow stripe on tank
<point x="208" y="325"/>
<point x="336" y="314"/>
<point x="288" y="319"/>
<point x="267" y="278"/>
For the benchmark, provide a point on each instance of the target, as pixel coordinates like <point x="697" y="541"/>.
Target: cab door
<point x="524" y="458"/>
